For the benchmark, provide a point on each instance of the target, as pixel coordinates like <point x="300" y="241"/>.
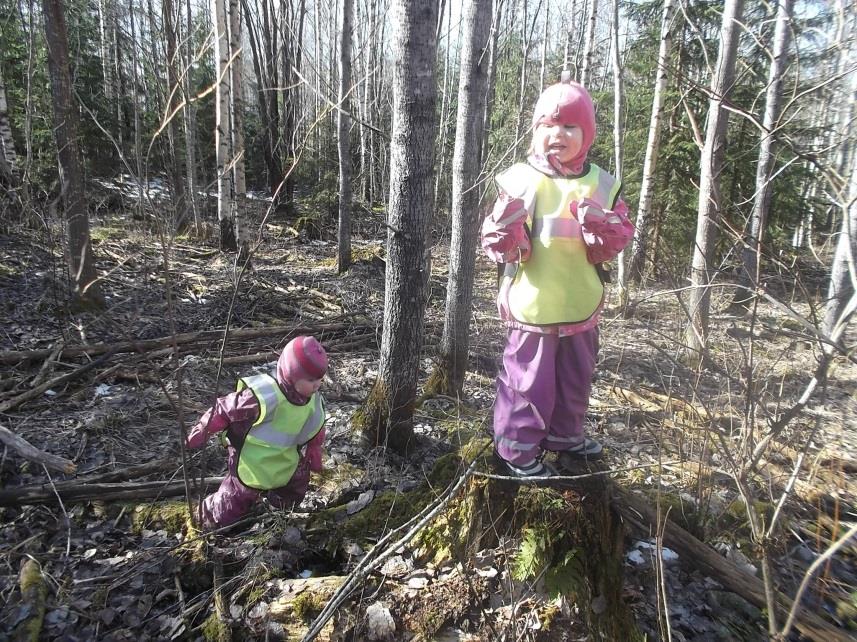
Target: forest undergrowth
<point x="116" y="557"/>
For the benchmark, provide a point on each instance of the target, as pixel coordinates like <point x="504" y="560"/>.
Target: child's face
<point x="561" y="140"/>
<point x="307" y="387"/>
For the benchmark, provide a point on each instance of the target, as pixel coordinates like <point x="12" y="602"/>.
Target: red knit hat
<point x="302" y="358"/>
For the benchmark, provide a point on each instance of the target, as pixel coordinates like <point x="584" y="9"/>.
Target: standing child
<point x="274" y="429"/>
<point x="556" y="219"/>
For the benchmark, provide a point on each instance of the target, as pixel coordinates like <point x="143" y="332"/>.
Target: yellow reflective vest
<point x="557" y="284"/>
<point x="269" y="456"/>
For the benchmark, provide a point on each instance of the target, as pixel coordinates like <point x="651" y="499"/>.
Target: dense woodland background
<point x="181" y="181"/>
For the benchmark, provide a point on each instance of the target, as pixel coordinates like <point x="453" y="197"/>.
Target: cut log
<point x="78" y="491"/>
<point x="31" y="453"/>
<point x="640" y="514"/>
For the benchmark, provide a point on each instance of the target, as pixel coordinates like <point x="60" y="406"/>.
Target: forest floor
<point x="120" y="561"/>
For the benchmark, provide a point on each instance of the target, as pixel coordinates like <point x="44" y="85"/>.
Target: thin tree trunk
<point x="751" y="256"/>
<point x="190" y="118"/>
<point x="476" y="28"/>
<point x="344" y="147"/>
<point x="545" y="38"/>
<point x="840" y="294"/>
<point x="444" y="102"/>
<point x="589" y="47"/>
<point x="81" y="262"/>
<point x="490" y="84"/>
<point x="106" y="49"/>
<point x="618" y="140"/>
<point x="7" y="143"/>
<point x="388" y="412"/>
<point x="638" y="251"/>
<point x="222" y="135"/>
<point x="711" y="165"/>
<point x="135" y="91"/>
<point x="173" y="111"/>
<point x="237" y="95"/>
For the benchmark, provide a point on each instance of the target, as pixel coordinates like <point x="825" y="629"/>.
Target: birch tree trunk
<point x="711" y="165"/>
<point x="751" y="255"/>
<point x="81" y="262"/>
<point x="189" y="120"/>
<point x="639" y="249"/>
<point x="8" y="157"/>
<point x="343" y="125"/>
<point x="104" y="32"/>
<point x="843" y="277"/>
<point x="388" y="412"/>
<point x="492" y="72"/>
<point x="589" y="46"/>
<point x="448" y="377"/>
<point x="236" y="72"/>
<point x="618" y="141"/>
<point x="222" y="135"/>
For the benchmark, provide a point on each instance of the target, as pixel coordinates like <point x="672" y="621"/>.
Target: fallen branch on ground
<point x="82" y="491"/>
<point x="31" y="453"/>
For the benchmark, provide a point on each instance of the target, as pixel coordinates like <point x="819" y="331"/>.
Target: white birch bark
<point x="843" y="276"/>
<point x="189" y="120"/>
<point x="711" y="165"/>
<point x="7" y="143"/>
<point x="639" y="249"/>
<point x="104" y="31"/>
<point x="751" y="255"/>
<point x="343" y="126"/>
<point x="618" y="140"/>
<point x="236" y="72"/>
<point x="589" y="45"/>
<point x="222" y="134"/>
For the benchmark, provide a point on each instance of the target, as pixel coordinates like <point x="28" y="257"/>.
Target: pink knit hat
<point x="302" y="358"/>
<point x="568" y="103"/>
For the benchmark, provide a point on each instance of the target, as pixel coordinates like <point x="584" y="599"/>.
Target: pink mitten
<point x="504" y="236"/>
<point x="605" y="232"/>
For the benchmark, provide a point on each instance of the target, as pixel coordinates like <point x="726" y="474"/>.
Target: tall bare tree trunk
<point x="492" y="72"/>
<point x="104" y="31"/>
<point x="638" y="251"/>
<point x="841" y="300"/>
<point x="81" y="262"/>
<point x="751" y="256"/>
<point x="589" y="46"/>
<point x="222" y="133"/>
<point x="173" y="112"/>
<point x="343" y="125"/>
<point x="711" y="165"/>
<point x="237" y="95"/>
<point x="618" y="140"/>
<point x="189" y="120"/>
<point x="476" y="27"/>
<point x="8" y="157"/>
<point x="388" y="412"/>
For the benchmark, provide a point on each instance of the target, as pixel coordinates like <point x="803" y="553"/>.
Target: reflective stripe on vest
<point x="558" y="284"/>
<point x="269" y="456"/>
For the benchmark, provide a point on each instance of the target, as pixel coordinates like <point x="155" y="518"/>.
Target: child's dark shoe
<point x="588" y="449"/>
<point x="535" y="471"/>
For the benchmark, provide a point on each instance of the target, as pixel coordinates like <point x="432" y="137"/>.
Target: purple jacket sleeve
<point x="605" y="232"/>
<point x="237" y="409"/>
<point x="504" y="237"/>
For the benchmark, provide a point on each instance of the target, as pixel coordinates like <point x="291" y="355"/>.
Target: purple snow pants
<point x="542" y="393"/>
<point x="233" y="499"/>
